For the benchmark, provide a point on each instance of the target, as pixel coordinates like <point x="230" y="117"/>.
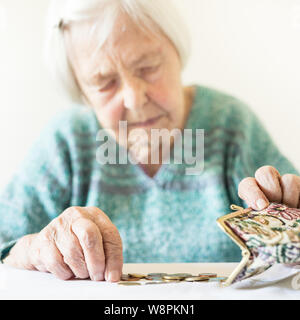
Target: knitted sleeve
<point x="40" y="189"/>
<point x="253" y="149"/>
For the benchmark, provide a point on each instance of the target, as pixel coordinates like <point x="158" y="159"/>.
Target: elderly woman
<point x="70" y="214"/>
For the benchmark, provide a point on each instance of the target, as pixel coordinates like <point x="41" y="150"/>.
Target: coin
<point x="218" y="279"/>
<point x="156" y="274"/>
<point x="195" y="279"/>
<point x="137" y="275"/>
<point x="153" y="278"/>
<point x="209" y="275"/>
<point x="183" y="275"/>
<point x="173" y="277"/>
<point x="162" y="278"/>
<point x="129" y="279"/>
<point x="133" y="279"/>
<point x="126" y="283"/>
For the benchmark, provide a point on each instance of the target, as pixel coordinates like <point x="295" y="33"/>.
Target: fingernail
<point x="261" y="204"/>
<point x="98" y="277"/>
<point x="113" y="276"/>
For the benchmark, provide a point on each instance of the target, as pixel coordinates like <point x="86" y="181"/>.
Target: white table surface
<point x="22" y="284"/>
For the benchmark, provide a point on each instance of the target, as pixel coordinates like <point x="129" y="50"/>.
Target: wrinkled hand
<point x="268" y="186"/>
<point x="81" y="242"/>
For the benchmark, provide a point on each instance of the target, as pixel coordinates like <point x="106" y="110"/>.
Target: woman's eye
<point x="149" y="70"/>
<point x="110" y="85"/>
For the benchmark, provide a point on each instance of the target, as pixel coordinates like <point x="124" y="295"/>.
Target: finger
<point x="291" y="190"/>
<point x="70" y="248"/>
<point x="112" y="244"/>
<point x="41" y="268"/>
<point x="53" y="261"/>
<point x="90" y="239"/>
<point x="268" y="179"/>
<point x="250" y="192"/>
<point x="34" y="253"/>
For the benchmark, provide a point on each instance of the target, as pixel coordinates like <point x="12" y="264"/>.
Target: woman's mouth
<point x="147" y="123"/>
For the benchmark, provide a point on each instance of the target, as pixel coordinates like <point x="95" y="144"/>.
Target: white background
<point x="32" y="285"/>
<point x="249" y="48"/>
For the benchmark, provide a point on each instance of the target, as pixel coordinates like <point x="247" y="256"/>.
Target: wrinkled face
<point x="134" y="77"/>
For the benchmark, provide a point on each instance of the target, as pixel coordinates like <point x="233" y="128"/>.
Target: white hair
<point x="144" y="13"/>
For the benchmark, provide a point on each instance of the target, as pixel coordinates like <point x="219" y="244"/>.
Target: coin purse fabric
<point x="265" y="237"/>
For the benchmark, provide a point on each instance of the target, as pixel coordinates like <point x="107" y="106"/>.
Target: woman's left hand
<point x="268" y="186"/>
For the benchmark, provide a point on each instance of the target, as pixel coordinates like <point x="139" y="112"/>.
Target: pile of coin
<point x="134" y="279"/>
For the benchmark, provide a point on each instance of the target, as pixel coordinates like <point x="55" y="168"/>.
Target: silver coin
<point x="156" y="274"/>
<point x="183" y="275"/>
<point x="218" y="279"/>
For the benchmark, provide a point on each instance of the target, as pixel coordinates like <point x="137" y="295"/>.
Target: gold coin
<point x="126" y="283"/>
<point x="195" y="279"/>
<point x="171" y="280"/>
<point x="209" y="275"/>
<point x="137" y="275"/>
<point x="126" y="277"/>
<point x="133" y="279"/>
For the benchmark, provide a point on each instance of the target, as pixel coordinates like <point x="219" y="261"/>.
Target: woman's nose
<point x="134" y="94"/>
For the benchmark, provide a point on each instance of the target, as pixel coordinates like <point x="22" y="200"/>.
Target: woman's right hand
<point x="82" y="242"/>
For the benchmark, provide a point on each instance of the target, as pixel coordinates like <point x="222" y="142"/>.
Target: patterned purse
<point x="265" y="237"/>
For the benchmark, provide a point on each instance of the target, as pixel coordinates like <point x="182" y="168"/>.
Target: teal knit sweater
<point x="168" y="218"/>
